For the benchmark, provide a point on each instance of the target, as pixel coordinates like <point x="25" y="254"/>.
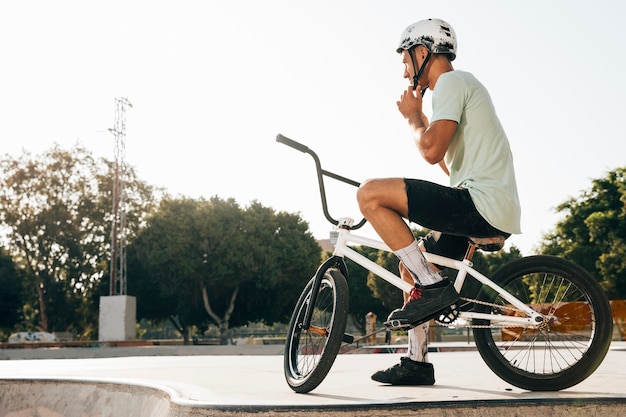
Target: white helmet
<point x="435" y="34"/>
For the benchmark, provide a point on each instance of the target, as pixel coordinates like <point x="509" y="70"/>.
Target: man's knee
<point x="362" y="192"/>
<point x="366" y="195"/>
<point x="378" y="193"/>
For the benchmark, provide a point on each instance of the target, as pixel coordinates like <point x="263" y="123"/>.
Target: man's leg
<point x="418" y="343"/>
<point x="413" y="369"/>
<point x="384" y="203"/>
<point x="418" y="336"/>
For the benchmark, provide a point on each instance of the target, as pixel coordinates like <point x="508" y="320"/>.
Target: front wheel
<point x="311" y="352"/>
<point x="571" y="342"/>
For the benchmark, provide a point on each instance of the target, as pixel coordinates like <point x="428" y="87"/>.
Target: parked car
<point x="32" y="337"/>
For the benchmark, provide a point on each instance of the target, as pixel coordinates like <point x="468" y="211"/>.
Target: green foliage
<point x="10" y="293"/>
<point x="281" y="255"/>
<point x="213" y="261"/>
<point x="55" y="211"/>
<point x="592" y="232"/>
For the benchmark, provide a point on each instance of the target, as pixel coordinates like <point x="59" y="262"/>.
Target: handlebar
<point x="296" y="145"/>
<point x="321" y="173"/>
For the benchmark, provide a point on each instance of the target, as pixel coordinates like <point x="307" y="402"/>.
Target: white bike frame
<point x="464" y="268"/>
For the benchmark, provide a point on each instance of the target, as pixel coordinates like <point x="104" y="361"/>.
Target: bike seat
<point x="489" y="244"/>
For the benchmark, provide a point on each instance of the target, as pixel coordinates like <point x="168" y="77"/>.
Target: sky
<point x="213" y="82"/>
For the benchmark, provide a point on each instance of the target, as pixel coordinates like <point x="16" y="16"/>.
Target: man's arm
<point x="432" y="139"/>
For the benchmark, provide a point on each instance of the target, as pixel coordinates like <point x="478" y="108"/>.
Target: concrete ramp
<point x="63" y="398"/>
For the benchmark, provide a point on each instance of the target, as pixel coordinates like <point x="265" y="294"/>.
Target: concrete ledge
<point x="63" y="398"/>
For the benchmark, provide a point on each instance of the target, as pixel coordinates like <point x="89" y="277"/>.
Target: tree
<point x="56" y="209"/>
<point x="592" y="232"/>
<point x="212" y="261"/>
<point x="162" y="264"/>
<point x="281" y="255"/>
<point x="10" y="292"/>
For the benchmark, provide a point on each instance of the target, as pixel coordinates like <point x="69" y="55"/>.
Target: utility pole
<point x="118" y="311"/>
<point x="118" y="230"/>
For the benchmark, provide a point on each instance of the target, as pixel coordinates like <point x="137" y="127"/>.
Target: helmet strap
<point x="417" y="75"/>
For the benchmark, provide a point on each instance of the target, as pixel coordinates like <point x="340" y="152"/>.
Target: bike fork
<point x="333" y="261"/>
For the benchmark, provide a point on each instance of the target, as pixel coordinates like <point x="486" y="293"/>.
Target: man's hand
<point x="431" y="140"/>
<point x="410" y="106"/>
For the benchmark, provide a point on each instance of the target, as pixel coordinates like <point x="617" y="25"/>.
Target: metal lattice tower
<point x="118" y="229"/>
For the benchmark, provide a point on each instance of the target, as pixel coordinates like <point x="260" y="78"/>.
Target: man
<point x="465" y="138"/>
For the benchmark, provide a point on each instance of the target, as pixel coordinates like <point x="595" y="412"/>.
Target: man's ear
<point x="423" y="51"/>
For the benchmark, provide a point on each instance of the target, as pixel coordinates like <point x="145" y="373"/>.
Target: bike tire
<point x="309" y="355"/>
<point x="574" y="340"/>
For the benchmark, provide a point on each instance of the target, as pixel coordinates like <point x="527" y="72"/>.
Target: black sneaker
<point x="432" y="300"/>
<point x="407" y="372"/>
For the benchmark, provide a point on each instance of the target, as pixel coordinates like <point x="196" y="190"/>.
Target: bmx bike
<point x="540" y="323"/>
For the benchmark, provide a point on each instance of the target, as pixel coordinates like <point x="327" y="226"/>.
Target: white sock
<point x="418" y="343"/>
<point x="414" y="260"/>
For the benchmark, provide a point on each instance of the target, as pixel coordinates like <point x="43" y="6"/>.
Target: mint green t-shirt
<point x="479" y="157"/>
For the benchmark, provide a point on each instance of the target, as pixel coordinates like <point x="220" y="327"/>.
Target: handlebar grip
<point x="292" y="143"/>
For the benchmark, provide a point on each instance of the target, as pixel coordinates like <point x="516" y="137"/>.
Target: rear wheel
<point x="567" y="347"/>
<point x="310" y="353"/>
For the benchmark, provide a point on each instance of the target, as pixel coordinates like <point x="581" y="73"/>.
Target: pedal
<point x="398" y="324"/>
<point x="448" y="316"/>
<point x="348" y="338"/>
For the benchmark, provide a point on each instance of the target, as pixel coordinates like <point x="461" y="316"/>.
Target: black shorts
<point x="450" y="211"/>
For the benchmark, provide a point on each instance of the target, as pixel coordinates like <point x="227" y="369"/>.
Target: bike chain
<point x="450" y="315"/>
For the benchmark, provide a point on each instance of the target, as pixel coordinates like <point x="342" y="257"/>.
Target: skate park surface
<point x="177" y="381"/>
